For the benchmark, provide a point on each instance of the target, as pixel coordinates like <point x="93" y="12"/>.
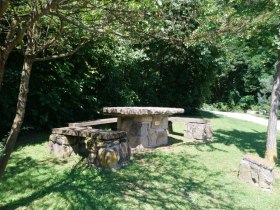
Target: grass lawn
<point x="183" y="175"/>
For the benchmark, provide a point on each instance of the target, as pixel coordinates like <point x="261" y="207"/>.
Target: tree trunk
<point x="20" y="111"/>
<point x="271" y="140"/>
<point x="3" y="59"/>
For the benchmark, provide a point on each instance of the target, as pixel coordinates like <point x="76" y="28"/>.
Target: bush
<point x="246" y="102"/>
<point x="220" y="106"/>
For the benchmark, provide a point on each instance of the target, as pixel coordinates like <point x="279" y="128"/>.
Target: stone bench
<point x="256" y="170"/>
<point x="198" y="129"/>
<point x="105" y="149"/>
<point x="111" y="121"/>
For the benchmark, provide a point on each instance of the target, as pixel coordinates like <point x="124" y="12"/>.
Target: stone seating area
<point x="105" y="149"/>
<point x="197" y="129"/>
<point x="111" y="149"/>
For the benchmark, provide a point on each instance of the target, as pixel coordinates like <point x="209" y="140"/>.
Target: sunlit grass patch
<point x="184" y="175"/>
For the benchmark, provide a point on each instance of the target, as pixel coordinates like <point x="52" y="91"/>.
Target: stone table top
<point x="142" y="110"/>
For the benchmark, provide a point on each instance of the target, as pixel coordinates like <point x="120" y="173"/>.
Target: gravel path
<point x="247" y="117"/>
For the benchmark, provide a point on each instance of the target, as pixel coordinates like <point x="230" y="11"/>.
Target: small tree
<point x="40" y="39"/>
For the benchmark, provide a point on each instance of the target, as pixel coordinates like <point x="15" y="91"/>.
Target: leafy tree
<point x="38" y="40"/>
<point x="245" y="18"/>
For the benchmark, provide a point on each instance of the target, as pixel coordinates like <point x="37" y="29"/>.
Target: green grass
<point x="183" y="175"/>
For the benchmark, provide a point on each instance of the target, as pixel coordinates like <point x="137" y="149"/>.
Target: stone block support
<point x="146" y="131"/>
<point x="110" y="154"/>
<point x="198" y="131"/>
<point x="145" y="126"/>
<point x="256" y="171"/>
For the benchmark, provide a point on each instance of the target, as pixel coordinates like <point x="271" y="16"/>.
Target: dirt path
<point x="247" y="117"/>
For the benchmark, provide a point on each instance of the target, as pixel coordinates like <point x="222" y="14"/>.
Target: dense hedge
<point x="110" y="72"/>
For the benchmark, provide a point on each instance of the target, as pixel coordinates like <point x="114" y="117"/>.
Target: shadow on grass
<point x="252" y="142"/>
<point x="172" y="140"/>
<point x="247" y="142"/>
<point x="177" y="133"/>
<point x="199" y="114"/>
<point x="32" y="138"/>
<point x="154" y="179"/>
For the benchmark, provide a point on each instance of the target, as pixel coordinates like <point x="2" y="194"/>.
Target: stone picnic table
<point x="145" y="126"/>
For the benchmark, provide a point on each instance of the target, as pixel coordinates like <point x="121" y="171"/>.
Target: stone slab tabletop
<point x="142" y="110"/>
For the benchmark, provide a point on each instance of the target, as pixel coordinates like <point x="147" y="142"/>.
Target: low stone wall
<point x="256" y="171"/>
<point x="105" y="149"/>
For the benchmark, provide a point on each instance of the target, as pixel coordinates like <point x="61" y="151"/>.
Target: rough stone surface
<point x="245" y="171"/>
<point x="61" y="150"/>
<point x="61" y="139"/>
<point x="198" y="131"/>
<point x="145" y="126"/>
<point x="266" y="178"/>
<point x="147" y="131"/>
<point x="208" y="131"/>
<point x="112" y="154"/>
<point x="105" y="149"/>
<point x="142" y="110"/>
<point x="63" y="146"/>
<point x="88" y="132"/>
<point x="257" y="171"/>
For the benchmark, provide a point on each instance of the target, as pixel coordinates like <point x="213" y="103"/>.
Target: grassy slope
<point x="181" y="176"/>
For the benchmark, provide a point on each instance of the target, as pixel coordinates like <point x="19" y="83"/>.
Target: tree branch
<point x="85" y="27"/>
<point x="75" y="23"/>
<point x="3" y="7"/>
<point x="23" y="27"/>
<point x="63" y="55"/>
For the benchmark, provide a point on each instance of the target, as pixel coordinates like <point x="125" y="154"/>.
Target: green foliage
<point x="246" y="62"/>
<point x="245" y="71"/>
<point x="246" y="102"/>
<point x="115" y="72"/>
<point x="264" y="96"/>
<point x="246" y="35"/>
<point x="3" y="144"/>
<point x="217" y="106"/>
<point x="167" y="53"/>
<point x="184" y="74"/>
